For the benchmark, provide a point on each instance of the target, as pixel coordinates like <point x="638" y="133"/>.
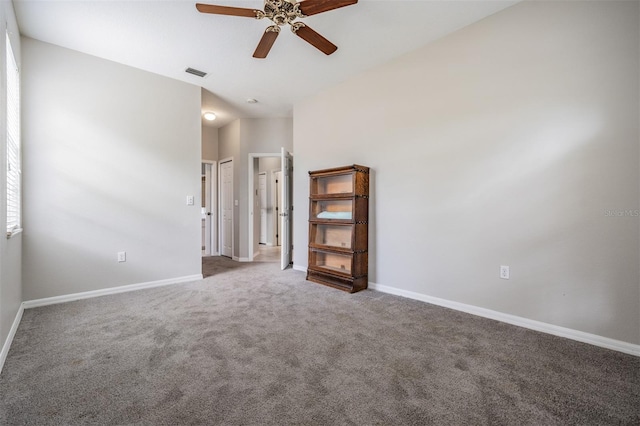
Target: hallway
<point x="211" y="264"/>
<point x="268" y="254"/>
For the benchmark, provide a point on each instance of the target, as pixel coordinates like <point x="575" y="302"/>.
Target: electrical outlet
<point x="122" y="256"/>
<point x="190" y="200"/>
<point x="504" y="272"/>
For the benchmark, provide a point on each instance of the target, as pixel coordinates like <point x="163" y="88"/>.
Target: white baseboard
<point x="580" y="336"/>
<point x="106" y="291"/>
<point x="299" y="268"/>
<point x="241" y="259"/>
<point x="9" y="340"/>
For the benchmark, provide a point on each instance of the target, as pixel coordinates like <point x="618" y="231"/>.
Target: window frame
<point x="13" y="143"/>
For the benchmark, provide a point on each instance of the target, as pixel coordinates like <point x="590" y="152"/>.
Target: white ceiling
<point x="167" y="36"/>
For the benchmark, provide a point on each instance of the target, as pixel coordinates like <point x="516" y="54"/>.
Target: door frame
<point x="221" y="162"/>
<point x="251" y="190"/>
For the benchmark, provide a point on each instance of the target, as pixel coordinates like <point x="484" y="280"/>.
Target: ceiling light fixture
<point x="209" y="116"/>
<point x="252" y="101"/>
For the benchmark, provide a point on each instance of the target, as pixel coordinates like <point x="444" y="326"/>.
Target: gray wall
<point x="267" y="164"/>
<point x="10" y="249"/>
<point x="511" y="142"/>
<point x="111" y="153"/>
<point x="209" y="143"/>
<point x="237" y="140"/>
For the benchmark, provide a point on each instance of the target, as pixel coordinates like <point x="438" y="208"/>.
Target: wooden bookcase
<point x="339" y="227"/>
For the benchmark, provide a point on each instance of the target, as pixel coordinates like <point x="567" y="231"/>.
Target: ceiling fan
<point x="282" y="12"/>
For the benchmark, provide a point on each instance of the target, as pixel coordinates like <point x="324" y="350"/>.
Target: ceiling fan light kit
<point x="281" y="13"/>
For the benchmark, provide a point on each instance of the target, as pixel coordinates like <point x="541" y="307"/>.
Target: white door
<point x="226" y="208"/>
<point x="209" y="240"/>
<point x="206" y="223"/>
<point x="211" y="206"/>
<point x="278" y="198"/>
<point x="285" y="209"/>
<point x="262" y="192"/>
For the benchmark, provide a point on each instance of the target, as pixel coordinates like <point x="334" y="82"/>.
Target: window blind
<point x="13" y="142"/>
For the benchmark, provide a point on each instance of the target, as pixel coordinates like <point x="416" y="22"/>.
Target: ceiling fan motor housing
<point x="281" y="12"/>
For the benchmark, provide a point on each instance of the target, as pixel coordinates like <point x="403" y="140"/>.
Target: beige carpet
<point x="251" y="345"/>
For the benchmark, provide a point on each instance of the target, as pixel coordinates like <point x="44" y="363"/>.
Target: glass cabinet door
<point x="331" y="235"/>
<point x="332" y="209"/>
<point x="331" y="185"/>
<point x="332" y="262"/>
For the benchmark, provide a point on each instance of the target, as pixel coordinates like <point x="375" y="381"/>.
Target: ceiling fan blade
<point x="312" y="7"/>
<point x="226" y="10"/>
<point x="268" y="38"/>
<point x="315" y="39"/>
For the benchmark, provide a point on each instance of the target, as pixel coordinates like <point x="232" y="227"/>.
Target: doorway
<point x="266" y="244"/>
<point x="264" y="207"/>
<point x="263" y="210"/>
